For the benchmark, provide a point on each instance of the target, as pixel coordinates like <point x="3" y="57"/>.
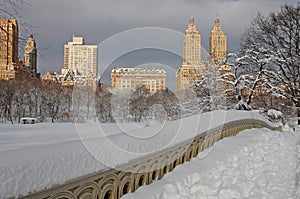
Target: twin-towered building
<point x="192" y="65"/>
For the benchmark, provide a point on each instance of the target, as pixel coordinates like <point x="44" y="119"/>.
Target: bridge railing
<point x="114" y="183"/>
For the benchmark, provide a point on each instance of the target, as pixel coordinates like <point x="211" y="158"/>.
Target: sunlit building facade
<point x="131" y="78"/>
<point x="217" y="43"/>
<point x="9" y="35"/>
<point x="191" y="67"/>
<point x="80" y="58"/>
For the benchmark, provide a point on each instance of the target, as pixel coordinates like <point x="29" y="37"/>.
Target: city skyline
<point x="98" y="20"/>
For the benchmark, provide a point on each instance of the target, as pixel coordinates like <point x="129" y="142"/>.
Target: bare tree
<point x="168" y="101"/>
<point x="279" y="33"/>
<point x="139" y="103"/>
<point x="7" y="93"/>
<point x="103" y="104"/>
<point x="248" y="78"/>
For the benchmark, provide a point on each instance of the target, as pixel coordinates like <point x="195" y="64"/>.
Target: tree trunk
<point x="298" y="111"/>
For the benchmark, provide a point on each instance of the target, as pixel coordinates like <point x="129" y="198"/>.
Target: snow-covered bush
<point x="274" y="114"/>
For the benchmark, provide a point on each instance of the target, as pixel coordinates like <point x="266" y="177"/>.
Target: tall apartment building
<point x="9" y="35"/>
<point x="185" y="76"/>
<point x="130" y="78"/>
<point x="217" y="43"/>
<point x="192" y="45"/>
<point x="30" y="56"/>
<point x="191" y="67"/>
<point x="80" y="58"/>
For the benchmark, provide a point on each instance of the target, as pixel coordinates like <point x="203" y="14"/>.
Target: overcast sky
<point x="98" y="20"/>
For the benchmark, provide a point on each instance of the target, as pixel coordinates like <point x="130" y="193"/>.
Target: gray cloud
<point x="97" y="20"/>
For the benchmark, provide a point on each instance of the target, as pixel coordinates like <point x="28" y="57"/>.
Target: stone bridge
<point x="114" y="183"/>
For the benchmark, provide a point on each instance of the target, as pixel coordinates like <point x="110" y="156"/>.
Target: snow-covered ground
<point x="38" y="156"/>
<point x="257" y="163"/>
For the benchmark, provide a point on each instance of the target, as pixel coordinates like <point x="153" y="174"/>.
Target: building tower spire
<point x="192" y="21"/>
<point x="217" y="22"/>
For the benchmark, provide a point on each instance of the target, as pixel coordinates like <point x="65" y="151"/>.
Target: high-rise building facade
<point x="191" y="67"/>
<point x="130" y="78"/>
<point x="30" y="56"/>
<point x="9" y="35"/>
<point x="217" y="43"/>
<point x="185" y="76"/>
<point x="80" y="58"/>
<point x="192" y="45"/>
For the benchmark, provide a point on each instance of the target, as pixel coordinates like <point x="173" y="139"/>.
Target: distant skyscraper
<point x="9" y="35"/>
<point x="192" y="45"/>
<point x="191" y="67"/>
<point x="30" y="56"/>
<point x="217" y="43"/>
<point x="80" y="58"/>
